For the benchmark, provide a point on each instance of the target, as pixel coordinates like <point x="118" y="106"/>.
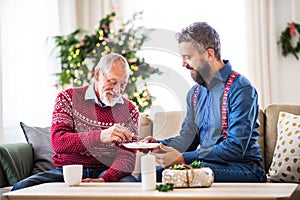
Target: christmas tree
<point x="79" y="53"/>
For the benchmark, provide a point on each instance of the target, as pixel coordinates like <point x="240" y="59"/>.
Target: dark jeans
<point x="230" y="172"/>
<point x="56" y="175"/>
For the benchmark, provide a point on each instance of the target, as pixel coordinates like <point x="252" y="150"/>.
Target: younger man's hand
<point x="169" y="158"/>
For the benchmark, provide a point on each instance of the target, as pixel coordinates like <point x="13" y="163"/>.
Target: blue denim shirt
<point x="201" y="136"/>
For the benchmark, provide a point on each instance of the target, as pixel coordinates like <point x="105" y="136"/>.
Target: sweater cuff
<point x="112" y="175"/>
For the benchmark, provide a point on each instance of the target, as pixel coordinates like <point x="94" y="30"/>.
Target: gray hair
<point x="107" y="61"/>
<point x="202" y="36"/>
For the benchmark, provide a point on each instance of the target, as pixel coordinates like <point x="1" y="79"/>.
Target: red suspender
<point x="224" y="111"/>
<point x="195" y="96"/>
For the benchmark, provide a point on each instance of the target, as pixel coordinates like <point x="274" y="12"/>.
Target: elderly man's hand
<point x="87" y="180"/>
<point x="116" y="133"/>
<point x="169" y="158"/>
<point x="149" y="139"/>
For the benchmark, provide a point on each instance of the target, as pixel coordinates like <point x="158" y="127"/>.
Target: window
<point x="28" y="91"/>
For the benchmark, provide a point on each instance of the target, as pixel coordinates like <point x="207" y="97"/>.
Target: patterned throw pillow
<point x="285" y="165"/>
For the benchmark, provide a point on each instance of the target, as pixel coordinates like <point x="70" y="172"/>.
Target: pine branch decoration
<point x="285" y="40"/>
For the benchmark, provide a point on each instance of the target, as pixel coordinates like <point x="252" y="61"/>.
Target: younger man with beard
<point x="222" y="112"/>
<point x="88" y="123"/>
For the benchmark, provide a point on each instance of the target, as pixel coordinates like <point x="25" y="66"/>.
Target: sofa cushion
<point x="39" y="139"/>
<point x="14" y="162"/>
<point x="3" y="181"/>
<point x="285" y="165"/>
<point x="261" y="130"/>
<point x="145" y="127"/>
<point x="167" y="124"/>
<point x="271" y="119"/>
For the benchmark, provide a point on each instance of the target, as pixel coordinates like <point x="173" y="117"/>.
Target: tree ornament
<point x="285" y="39"/>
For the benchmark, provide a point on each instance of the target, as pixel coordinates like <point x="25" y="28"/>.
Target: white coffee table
<point x="129" y="191"/>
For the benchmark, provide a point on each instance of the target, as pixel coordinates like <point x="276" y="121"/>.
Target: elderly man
<point x="89" y="123"/>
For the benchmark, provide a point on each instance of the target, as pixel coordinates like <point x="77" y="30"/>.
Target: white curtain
<point x="27" y="81"/>
<point x="262" y="44"/>
<point x="84" y="13"/>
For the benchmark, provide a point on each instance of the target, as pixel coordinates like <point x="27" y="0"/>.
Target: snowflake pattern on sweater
<point x="76" y="128"/>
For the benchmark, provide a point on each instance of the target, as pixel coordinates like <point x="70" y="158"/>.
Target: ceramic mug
<point x="72" y="174"/>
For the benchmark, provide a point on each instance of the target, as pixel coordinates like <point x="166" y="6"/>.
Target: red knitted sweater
<point x="76" y="128"/>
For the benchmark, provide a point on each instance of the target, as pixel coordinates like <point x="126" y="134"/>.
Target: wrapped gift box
<point x="198" y="177"/>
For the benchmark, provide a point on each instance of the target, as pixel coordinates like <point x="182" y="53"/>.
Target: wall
<point x="288" y="67"/>
<point x="161" y="50"/>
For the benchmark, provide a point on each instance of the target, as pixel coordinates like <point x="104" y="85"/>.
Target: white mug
<point x="72" y="174"/>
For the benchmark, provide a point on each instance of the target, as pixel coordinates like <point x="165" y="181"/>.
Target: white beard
<point x="115" y="98"/>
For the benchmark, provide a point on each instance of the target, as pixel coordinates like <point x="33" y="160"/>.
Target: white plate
<point x="140" y="145"/>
